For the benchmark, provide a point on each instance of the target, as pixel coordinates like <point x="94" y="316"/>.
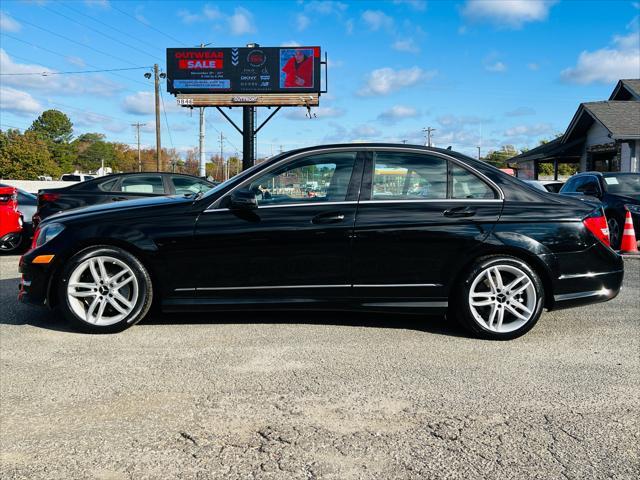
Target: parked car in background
<point x="618" y="193"/>
<point x="390" y="228"/>
<point x="551" y="186"/>
<point x="27" y="205"/>
<point x="115" y="188"/>
<point x="10" y="220"/>
<point x="76" y="177"/>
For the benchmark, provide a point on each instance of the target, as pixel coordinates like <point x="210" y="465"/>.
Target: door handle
<point x="459" y="212"/>
<point x="119" y="199"/>
<point x="324" y="218"/>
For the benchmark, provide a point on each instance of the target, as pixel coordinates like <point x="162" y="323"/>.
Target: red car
<point x="10" y="220"/>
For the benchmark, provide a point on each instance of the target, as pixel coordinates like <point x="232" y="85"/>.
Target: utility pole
<point x="203" y="171"/>
<point x="428" y="131"/>
<point x="478" y="152"/>
<point x="225" y="164"/>
<point x="138" y="125"/>
<point x="156" y="78"/>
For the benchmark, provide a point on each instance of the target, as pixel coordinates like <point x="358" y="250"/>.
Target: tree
<point x="25" y="157"/>
<point x="53" y="125"/>
<point x="498" y="158"/>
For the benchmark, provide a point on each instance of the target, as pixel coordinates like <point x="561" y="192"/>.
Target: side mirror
<point x="243" y="200"/>
<point x="591" y="191"/>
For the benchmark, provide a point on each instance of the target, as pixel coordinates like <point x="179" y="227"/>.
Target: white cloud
<point x="18" y="102"/>
<point x="398" y="112"/>
<point x="459" y="121"/>
<point x="189" y="17"/>
<point x="143" y="103"/>
<point x="302" y="22"/>
<point x="609" y="64"/>
<point x="349" y="26"/>
<point x="407" y="45"/>
<point x="290" y="43"/>
<point x="77" y="61"/>
<point x="365" y="131"/>
<point x="53" y="84"/>
<point x="97" y="3"/>
<point x="533" y="66"/>
<point x="376" y="19"/>
<point x="520" y="112"/>
<point x="497" y="67"/>
<point x="511" y="13"/>
<point x="522" y="131"/>
<point x="387" y="80"/>
<point x="241" y="22"/>
<point x="419" y="5"/>
<point x="326" y="7"/>
<point x="212" y="12"/>
<point x="8" y="24"/>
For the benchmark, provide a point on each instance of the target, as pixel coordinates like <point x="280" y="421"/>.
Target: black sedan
<point x="618" y="193"/>
<point x="385" y="227"/>
<point x="116" y="188"/>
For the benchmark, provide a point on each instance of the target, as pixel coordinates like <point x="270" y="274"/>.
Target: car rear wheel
<point x="104" y="290"/>
<point x="499" y="298"/>
<point x="10" y="243"/>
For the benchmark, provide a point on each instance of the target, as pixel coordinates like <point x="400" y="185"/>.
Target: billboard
<point x="258" y="71"/>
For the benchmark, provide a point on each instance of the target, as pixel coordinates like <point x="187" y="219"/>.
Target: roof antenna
<point x="449" y="147"/>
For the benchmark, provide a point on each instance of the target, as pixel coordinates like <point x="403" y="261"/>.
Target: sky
<point x="481" y="73"/>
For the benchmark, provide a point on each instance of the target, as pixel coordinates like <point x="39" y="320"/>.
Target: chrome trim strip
<point x="269" y="287"/>
<point x="350" y="202"/>
<point x="587" y="275"/>
<point x="398" y="285"/>
<point x="442" y="200"/>
<point x="408" y="304"/>
<point x="185" y="290"/>
<point x="573" y="296"/>
<point x="356" y="148"/>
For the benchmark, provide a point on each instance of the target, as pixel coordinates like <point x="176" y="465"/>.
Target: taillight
<point x="48" y="197"/>
<point x="36" y="234"/>
<point x="596" y="223"/>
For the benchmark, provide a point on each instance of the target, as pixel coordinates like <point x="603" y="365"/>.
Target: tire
<point x="485" y="321"/>
<point x="614" y="232"/>
<point x="104" y="289"/>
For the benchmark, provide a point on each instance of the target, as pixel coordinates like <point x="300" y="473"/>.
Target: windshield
<point x="628" y="185"/>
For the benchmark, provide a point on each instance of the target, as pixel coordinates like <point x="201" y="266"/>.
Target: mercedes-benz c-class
<point x="378" y="227"/>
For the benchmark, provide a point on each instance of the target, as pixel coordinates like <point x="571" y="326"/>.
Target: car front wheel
<point x="499" y="298"/>
<point x="104" y="290"/>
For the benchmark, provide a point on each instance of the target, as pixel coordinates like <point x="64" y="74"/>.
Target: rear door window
<point x="408" y="176"/>
<point x="186" y="185"/>
<point x="149" y="184"/>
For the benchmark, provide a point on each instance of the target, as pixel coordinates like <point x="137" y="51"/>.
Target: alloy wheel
<point x="102" y="290"/>
<point x="10" y="243"/>
<point x="502" y="298"/>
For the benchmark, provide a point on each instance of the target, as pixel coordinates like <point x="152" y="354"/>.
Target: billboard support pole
<point x="156" y="77"/>
<point x="203" y="171"/>
<point x="248" y="136"/>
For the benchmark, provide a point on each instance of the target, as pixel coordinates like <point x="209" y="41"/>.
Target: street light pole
<point x="138" y="125"/>
<point x="156" y="77"/>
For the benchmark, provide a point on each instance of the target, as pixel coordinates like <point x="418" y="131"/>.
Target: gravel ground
<point x="331" y="396"/>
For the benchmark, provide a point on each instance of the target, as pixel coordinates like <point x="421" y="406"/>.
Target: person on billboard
<point x="299" y="71"/>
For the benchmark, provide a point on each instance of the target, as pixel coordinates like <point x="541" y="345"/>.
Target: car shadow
<point x="16" y="313"/>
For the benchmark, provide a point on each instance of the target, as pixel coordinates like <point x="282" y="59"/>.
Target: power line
<point x="122" y="32"/>
<point x="65" y="57"/>
<point x="46" y="74"/>
<point x="166" y="120"/>
<point x="73" y="41"/>
<point x="146" y="24"/>
<point x="99" y="32"/>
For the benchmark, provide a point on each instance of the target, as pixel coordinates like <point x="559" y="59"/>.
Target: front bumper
<point x="35" y="282"/>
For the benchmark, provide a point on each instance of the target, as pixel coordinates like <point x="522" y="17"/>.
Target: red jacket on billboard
<point x="299" y="74"/>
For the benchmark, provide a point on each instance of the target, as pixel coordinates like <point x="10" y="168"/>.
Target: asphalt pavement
<point x="320" y="396"/>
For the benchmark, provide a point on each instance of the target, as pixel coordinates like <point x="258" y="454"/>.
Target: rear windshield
<point x="628" y="185"/>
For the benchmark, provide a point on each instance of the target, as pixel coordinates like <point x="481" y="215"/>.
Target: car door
<point x="295" y="244"/>
<point x="420" y="215"/>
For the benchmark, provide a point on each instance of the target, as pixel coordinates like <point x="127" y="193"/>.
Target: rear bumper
<point x="591" y="276"/>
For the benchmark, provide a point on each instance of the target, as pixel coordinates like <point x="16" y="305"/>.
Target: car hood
<point x="122" y="206"/>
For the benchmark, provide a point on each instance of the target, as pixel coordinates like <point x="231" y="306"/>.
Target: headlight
<point x="633" y="209"/>
<point x="48" y="232"/>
